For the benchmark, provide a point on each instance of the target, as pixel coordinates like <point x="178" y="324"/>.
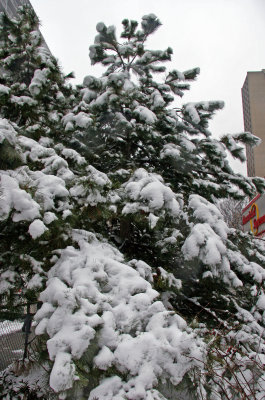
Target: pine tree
<point x="34" y="95"/>
<point x="157" y="156"/>
<point x="149" y="294"/>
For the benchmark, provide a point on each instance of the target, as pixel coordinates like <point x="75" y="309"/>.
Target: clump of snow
<point x="187" y="143"/>
<point x="49" y="187"/>
<point x="74" y="155"/>
<point x="82" y="120"/>
<point x="169" y="238"/>
<point x="170" y="150"/>
<point x="208" y="241"/>
<point x="88" y="95"/>
<point x="126" y="49"/>
<point x="232" y="146"/>
<point x="60" y="96"/>
<point x="117" y="79"/>
<point x="7" y="279"/>
<point x="169" y="278"/>
<point x="91" y="291"/>
<point x="207" y="274"/>
<point x="35" y="37"/>
<point x="97" y="177"/>
<point x="7" y="132"/>
<point x="157" y="100"/>
<point x="203" y="242"/>
<point x="38" y="81"/>
<point x="49" y="217"/>
<point x="22" y="100"/>
<point x="35" y="282"/>
<point x="143" y="268"/>
<point x="206" y="212"/>
<point x="92" y="82"/>
<point x="261" y="302"/>
<point x="4" y="90"/>
<point x="145" y="115"/>
<point x="53" y="163"/>
<point x="68" y="121"/>
<point x="65" y="372"/>
<point x="34" y="149"/>
<point x="148" y="192"/>
<point x="101" y="100"/>
<point x="192" y="112"/>
<point x="17" y="200"/>
<point x="67" y="213"/>
<point x="198" y="109"/>
<point x="37" y="229"/>
<point x="153" y="219"/>
<point x="244" y="266"/>
<point x="89" y="189"/>
<point x="180" y="75"/>
<point x="104" y="359"/>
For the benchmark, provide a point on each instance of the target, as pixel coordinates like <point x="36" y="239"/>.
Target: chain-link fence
<point x="16" y="336"/>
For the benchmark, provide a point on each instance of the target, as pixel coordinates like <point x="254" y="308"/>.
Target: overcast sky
<point x="225" y="38"/>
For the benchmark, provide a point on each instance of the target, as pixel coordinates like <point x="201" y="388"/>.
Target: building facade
<point x="253" y="99"/>
<point x="11" y="6"/>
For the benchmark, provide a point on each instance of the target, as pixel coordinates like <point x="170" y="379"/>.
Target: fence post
<point x="26" y="328"/>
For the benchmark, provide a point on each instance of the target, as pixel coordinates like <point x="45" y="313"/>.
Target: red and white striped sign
<point x="253" y="216"/>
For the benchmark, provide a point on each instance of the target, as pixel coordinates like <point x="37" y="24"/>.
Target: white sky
<point x="225" y="38"/>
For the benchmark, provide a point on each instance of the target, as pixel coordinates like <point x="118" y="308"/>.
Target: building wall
<point x="253" y="98"/>
<point x="10" y="6"/>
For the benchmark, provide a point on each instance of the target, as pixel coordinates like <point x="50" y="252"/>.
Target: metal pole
<point x="26" y="328"/>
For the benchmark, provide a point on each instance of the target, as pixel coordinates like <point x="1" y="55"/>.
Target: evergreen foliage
<point x="108" y="217"/>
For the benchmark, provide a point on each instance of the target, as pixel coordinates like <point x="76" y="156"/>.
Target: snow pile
<point x="92" y="296"/>
<point x="148" y="192"/>
<point x="17" y="200"/>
